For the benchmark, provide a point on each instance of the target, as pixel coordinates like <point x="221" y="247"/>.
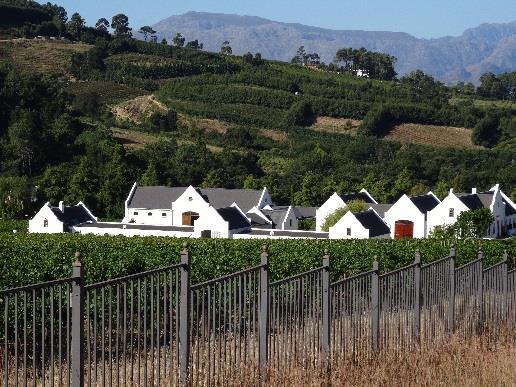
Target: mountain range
<point x="488" y="47"/>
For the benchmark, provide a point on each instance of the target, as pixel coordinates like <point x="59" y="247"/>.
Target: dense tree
<point x="120" y="25"/>
<point x="14" y="196"/>
<point x="102" y="24"/>
<point x="486" y="132"/>
<point x="75" y="26"/>
<point x="377" y="65"/>
<point x="179" y="40"/>
<point x="146" y="31"/>
<point x="422" y="87"/>
<point x="194" y="44"/>
<point x="226" y="48"/>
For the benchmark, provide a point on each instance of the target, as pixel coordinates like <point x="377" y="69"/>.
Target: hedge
<point x="30" y="258"/>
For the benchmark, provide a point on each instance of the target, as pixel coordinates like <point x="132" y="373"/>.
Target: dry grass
<point x="474" y="363"/>
<point x="41" y="56"/>
<point x="437" y="136"/>
<point x="134" y="140"/>
<point x="336" y="125"/>
<point x="275" y="135"/>
<point x="137" y="109"/>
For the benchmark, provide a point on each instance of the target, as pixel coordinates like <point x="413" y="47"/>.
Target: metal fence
<point x="155" y="328"/>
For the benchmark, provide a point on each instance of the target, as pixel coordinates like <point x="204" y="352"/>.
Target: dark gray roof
<point x="381" y="209"/>
<point x="158" y="197"/>
<point x="304" y="212"/>
<point x="234" y="217"/>
<point x="72" y="215"/>
<point x="277" y="215"/>
<point x="257" y="220"/>
<point x="476" y="201"/>
<point x="289" y="233"/>
<point x="357" y="196"/>
<point x="370" y="220"/>
<point x="222" y="197"/>
<point x="425" y="203"/>
<point x="509" y="209"/>
<point x="132" y="226"/>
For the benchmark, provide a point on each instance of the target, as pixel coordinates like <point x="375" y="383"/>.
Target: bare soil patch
<point x="275" y="135"/>
<point x="137" y="109"/>
<point x="336" y="125"/>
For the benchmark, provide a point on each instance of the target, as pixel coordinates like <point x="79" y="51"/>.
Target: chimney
<point x="61" y="206"/>
<point x="473" y="190"/>
<point x="451" y="190"/>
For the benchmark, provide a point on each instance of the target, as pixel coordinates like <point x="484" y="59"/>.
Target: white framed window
<point x="164" y="214"/>
<point x="451" y="212"/>
<point x="348" y="231"/>
<point x="45" y="222"/>
<point x="149" y="214"/>
<point x="135" y="212"/>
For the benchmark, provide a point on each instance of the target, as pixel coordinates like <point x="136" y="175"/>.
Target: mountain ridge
<point x="449" y="59"/>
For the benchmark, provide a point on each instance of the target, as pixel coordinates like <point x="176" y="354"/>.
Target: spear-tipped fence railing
<point x="155" y="328"/>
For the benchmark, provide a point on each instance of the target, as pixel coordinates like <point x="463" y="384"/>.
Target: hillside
<point x="489" y="47"/>
<point x="83" y="119"/>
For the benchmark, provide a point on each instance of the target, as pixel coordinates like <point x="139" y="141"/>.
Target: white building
<point x="447" y="212"/>
<point x="412" y="211"/>
<point x="53" y="220"/>
<point x="360" y="225"/>
<point x="337" y="201"/>
<point x="167" y="205"/>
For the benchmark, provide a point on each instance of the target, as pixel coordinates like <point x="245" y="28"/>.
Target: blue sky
<point x="422" y="18"/>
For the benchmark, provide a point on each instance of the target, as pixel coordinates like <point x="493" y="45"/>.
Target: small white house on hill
<point x="410" y="213"/>
<point x="447" y="212"/>
<point x="53" y="220"/>
<point x="360" y="225"/>
<point x="337" y="201"/>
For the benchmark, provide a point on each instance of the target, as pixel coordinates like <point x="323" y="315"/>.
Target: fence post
<point x="326" y="317"/>
<point x="263" y="315"/>
<point x="480" y="294"/>
<point x="417" y="297"/>
<point x="505" y="280"/>
<point x="375" y="306"/>
<point x="184" y="318"/>
<point x="77" y="336"/>
<point x="451" y="301"/>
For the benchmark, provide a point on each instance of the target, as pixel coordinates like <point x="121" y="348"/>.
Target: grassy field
<point x="41" y="56"/>
<point x="437" y="136"/>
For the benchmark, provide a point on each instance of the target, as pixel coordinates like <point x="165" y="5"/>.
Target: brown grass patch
<point x="137" y="109"/>
<point x="209" y="125"/>
<point x="336" y="125"/>
<point x="437" y="136"/>
<point x="132" y="139"/>
<point x="41" y="56"/>
<point x="275" y="135"/>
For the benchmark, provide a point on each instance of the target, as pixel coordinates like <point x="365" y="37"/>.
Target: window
<point x="190" y="198"/>
<point x="451" y="212"/>
<point x="45" y="223"/>
<point x="149" y="214"/>
<point x="164" y="214"/>
<point x="348" y="231"/>
<point x="135" y="212"/>
<point x="290" y="222"/>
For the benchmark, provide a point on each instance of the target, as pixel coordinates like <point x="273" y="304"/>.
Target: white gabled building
<point x="412" y="212"/>
<point x="447" y="212"/>
<point x="337" y="201"/>
<point x="54" y="220"/>
<point x="360" y="225"/>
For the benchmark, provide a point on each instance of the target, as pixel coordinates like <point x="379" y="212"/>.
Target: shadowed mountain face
<point x="489" y="47"/>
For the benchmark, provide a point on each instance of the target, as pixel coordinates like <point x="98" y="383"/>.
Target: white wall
<point x="439" y="216"/>
<point x="268" y="236"/>
<point x="36" y="224"/>
<point x="333" y="203"/>
<point x="404" y="209"/>
<point x="265" y="198"/>
<point x="210" y="219"/>
<point x="290" y="222"/>
<point x="189" y="201"/>
<point x="157" y="217"/>
<point x="130" y="232"/>
<point x="339" y="230"/>
<point x="498" y="211"/>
